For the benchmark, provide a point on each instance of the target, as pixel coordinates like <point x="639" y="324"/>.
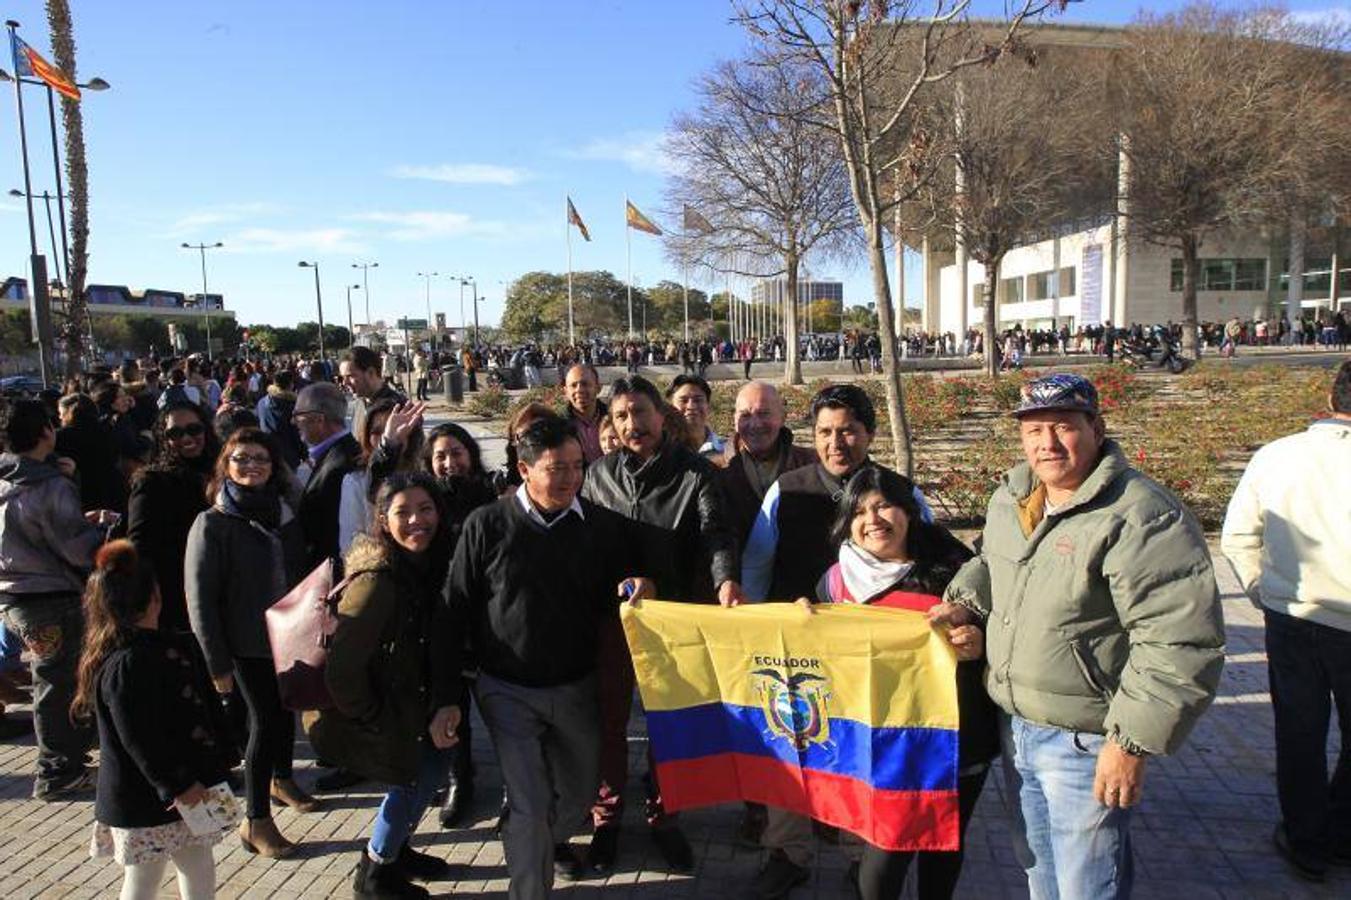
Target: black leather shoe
<point x="1305" y="864"/>
<point x="675" y="848"/>
<point x="568" y="866"/>
<point x="459" y="801"/>
<point x="383" y="880"/>
<point x="779" y="876"/>
<point x="604" y="849"/>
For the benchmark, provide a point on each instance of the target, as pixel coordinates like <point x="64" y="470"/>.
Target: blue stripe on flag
<point x="889" y="759"/>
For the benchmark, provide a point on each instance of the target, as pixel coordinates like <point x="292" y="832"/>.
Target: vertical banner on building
<point x="1090" y="290"/>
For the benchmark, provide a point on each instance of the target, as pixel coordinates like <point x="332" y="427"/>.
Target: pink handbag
<point x="300" y="628"/>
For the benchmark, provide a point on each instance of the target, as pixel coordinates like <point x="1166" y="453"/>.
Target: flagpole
<point x="628" y="249"/>
<point x="567" y="226"/>
<point x="687" y="303"/>
<point x="37" y="291"/>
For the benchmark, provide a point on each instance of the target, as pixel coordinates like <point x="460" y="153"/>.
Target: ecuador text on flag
<point x="848" y="715"/>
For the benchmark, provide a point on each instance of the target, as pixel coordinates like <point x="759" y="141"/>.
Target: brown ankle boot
<point x="286" y="792"/>
<point x="262" y="837"/>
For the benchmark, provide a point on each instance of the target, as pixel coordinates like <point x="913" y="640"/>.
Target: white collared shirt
<point x="523" y="497"/>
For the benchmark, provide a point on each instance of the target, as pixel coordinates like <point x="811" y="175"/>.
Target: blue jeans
<point x="403" y="806"/>
<point x="1070" y="844"/>
<point x="11" y="650"/>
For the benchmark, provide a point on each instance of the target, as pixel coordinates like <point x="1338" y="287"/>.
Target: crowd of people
<point x="149" y="517"/>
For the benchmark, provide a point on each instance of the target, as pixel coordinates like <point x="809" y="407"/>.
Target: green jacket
<point x="1102" y="617"/>
<point x="381" y="669"/>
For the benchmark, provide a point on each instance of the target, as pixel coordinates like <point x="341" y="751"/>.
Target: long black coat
<point x="163" y="505"/>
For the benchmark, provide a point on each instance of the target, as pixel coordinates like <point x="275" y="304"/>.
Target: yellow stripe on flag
<point x="883" y="667"/>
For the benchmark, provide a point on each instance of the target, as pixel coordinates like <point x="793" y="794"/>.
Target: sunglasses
<point x="249" y="459"/>
<point x="197" y="429"/>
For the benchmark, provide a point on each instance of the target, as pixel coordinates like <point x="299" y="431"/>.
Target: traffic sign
<point x="413" y="324"/>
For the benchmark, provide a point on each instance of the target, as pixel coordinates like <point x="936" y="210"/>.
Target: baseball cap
<point x="1060" y="391"/>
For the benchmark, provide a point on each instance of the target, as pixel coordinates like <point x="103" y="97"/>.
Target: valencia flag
<point x="575" y="219"/>
<point x="637" y="220"/>
<point x="30" y="63"/>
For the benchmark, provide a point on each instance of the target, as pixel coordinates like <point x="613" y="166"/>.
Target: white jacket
<point x="1288" y="527"/>
<point x="354" y="510"/>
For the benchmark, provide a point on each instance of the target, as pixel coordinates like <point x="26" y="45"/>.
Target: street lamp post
<point x="429" y="276"/>
<point x="470" y="281"/>
<point x="46" y="198"/>
<point x="206" y="303"/>
<point x="318" y="302"/>
<point x="366" y="285"/>
<point x="94" y="84"/>
<point x="351" y="330"/>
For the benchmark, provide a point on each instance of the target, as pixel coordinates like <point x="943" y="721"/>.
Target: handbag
<point x="300" y="629"/>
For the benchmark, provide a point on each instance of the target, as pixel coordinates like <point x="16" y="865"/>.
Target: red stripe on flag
<point x="51" y="75"/>
<point x="891" y="820"/>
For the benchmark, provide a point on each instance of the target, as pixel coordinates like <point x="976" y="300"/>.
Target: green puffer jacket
<point x="1103" y="617"/>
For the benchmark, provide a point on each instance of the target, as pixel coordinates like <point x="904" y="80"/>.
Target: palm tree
<point x="75" y="329"/>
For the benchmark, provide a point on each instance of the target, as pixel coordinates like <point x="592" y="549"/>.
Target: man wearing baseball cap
<point x="1103" y="636"/>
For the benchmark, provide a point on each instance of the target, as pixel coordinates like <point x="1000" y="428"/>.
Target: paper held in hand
<point x="220" y="811"/>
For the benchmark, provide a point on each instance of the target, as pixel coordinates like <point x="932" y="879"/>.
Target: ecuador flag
<point x="847" y="715"/>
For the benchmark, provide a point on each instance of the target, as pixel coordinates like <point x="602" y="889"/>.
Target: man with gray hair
<point x="321" y="417"/>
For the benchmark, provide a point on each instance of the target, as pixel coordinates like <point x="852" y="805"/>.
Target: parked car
<point x="20" y="386"/>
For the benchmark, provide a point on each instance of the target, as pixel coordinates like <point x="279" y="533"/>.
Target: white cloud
<point x="424" y="225"/>
<point x="277" y="240"/>
<point x="641" y="151"/>
<point x="225" y="214"/>
<point x="464" y="173"/>
<point x="1333" y="16"/>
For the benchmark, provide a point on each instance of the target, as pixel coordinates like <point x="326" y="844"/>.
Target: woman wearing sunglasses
<point x="245" y="552"/>
<point x="166" y="498"/>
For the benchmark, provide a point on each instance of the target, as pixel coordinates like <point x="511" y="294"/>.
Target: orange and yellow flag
<point x="638" y="221"/>
<point x="30" y="63"/>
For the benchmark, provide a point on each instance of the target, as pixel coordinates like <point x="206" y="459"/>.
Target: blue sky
<point x="427" y="136"/>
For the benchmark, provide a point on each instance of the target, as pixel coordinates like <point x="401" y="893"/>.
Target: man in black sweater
<point x="674" y="508"/>
<point x="533" y="577"/>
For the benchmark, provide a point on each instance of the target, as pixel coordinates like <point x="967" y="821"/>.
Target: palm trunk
<point x="792" y="367"/>
<point x="76" y="328"/>
<point x="990" y="284"/>
<point x="1191" y="266"/>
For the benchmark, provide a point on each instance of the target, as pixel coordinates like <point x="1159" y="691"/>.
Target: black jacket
<point x="234" y="569"/>
<point x="95" y="450"/>
<point x="163" y="505"/>
<point x="532" y="599"/>
<point x="161" y="729"/>
<point x="318" y="512"/>
<point x="684" y="542"/>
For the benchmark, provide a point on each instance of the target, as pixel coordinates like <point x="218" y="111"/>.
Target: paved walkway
<point x="1203" y="831"/>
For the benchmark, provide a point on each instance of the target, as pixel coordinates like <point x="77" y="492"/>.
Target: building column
<point x="1294" y="284"/>
<point x="1055" y="281"/>
<point x="1121" y="244"/>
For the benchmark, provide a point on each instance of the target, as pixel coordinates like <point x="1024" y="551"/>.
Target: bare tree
<point x="752" y="162"/>
<point x="77" y="182"/>
<point x="1010" y="128"/>
<point x="1228" y="120"/>
<point x="880" y="58"/>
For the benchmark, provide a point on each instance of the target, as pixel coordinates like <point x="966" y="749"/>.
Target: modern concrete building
<point x="1084" y="271"/>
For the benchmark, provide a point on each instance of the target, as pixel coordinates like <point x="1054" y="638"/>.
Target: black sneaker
<point x="779" y="876"/>
<point x="675" y="848"/>
<point x="604" y="849"/>
<point x="71" y="788"/>
<point x="1305" y="864"/>
<point x="422" y="866"/>
<point x="568" y="866"/>
<point x="336" y="780"/>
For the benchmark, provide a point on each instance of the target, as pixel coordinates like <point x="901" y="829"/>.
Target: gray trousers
<point x="548" y="744"/>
